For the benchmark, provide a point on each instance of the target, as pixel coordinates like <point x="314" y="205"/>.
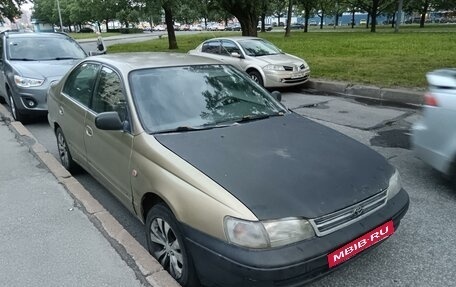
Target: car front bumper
<point x="36" y="95"/>
<point x="222" y="264"/>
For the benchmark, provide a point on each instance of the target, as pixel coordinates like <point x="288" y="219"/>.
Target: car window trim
<point x="124" y="92"/>
<point x="93" y="89"/>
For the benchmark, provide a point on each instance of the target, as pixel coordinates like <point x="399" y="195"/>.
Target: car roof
<point x="127" y="62"/>
<point x="235" y="38"/>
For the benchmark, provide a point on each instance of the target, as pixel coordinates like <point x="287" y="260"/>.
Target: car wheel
<point x="17" y="114"/>
<point x="64" y="153"/>
<point x="254" y="75"/>
<point x="166" y="244"/>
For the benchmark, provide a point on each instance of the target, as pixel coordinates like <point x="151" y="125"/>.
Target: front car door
<point x="229" y="47"/>
<point x="108" y="152"/>
<point x="73" y="105"/>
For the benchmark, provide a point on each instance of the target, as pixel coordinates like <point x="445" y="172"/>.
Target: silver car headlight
<point x="274" y="68"/>
<point x="266" y="234"/>
<point x="394" y="185"/>
<point x="27" y="82"/>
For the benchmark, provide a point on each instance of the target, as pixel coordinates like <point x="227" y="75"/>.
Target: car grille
<point x="329" y="223"/>
<point x="288" y="68"/>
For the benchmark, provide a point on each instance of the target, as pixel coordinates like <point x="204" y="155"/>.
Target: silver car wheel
<point x="256" y="76"/>
<point x="167" y="250"/>
<point x="63" y="150"/>
<point x="13" y="107"/>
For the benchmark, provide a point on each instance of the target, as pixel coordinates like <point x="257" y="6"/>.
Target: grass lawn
<point x="78" y="36"/>
<point x="384" y="58"/>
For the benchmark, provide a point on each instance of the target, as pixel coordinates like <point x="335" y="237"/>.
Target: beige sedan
<point x="234" y="189"/>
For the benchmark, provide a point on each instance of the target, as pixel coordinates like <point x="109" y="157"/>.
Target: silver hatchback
<point x="434" y="136"/>
<point x="264" y="63"/>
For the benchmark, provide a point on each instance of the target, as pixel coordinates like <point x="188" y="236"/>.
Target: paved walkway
<point x="46" y="239"/>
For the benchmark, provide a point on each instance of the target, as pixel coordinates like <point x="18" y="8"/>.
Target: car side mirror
<point x="236" y="55"/>
<point x="109" y="121"/>
<point x="277" y="95"/>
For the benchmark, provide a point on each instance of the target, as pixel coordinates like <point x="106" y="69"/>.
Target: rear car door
<point x="211" y="49"/>
<point x="73" y="105"/>
<point x="108" y="152"/>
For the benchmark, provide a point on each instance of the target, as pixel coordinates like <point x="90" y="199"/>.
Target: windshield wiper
<point x="23" y="59"/>
<point x="64" y="58"/>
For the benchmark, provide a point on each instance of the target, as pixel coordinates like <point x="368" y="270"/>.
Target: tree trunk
<point x="306" y="20"/>
<point x="393" y="21"/>
<point x="278" y="20"/>
<point x="170" y="28"/>
<point x="321" y="18"/>
<point x="107" y="25"/>
<point x="249" y="27"/>
<point x="290" y="7"/>
<point x="373" y="14"/>
<point x="336" y="22"/>
<point x="353" y="19"/>
<point x="423" y="13"/>
<point x="263" y="18"/>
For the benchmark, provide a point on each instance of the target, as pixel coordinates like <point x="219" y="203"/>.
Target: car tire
<point x="256" y="77"/>
<point x="165" y="241"/>
<point x="17" y="114"/>
<point x="64" y="153"/>
<point x="2" y="100"/>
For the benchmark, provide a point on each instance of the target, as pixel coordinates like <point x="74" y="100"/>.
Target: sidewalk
<point x="52" y="231"/>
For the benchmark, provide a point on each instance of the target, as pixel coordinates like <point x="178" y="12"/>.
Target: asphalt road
<point x="420" y="253"/>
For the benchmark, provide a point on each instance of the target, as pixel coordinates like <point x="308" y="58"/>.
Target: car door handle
<point x="61" y="111"/>
<point x="89" y="131"/>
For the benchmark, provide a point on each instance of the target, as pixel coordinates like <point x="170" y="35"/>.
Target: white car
<point x="159" y="28"/>
<point x="261" y="60"/>
<point x="434" y="136"/>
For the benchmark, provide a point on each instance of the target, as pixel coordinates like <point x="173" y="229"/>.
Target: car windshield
<point x="259" y="47"/>
<point x="198" y="97"/>
<point x="43" y="49"/>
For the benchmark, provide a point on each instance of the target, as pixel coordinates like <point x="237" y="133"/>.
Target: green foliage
<point x="383" y="59"/>
<point x="10" y="8"/>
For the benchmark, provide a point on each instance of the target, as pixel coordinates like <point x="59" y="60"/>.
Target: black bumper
<point x="222" y="264"/>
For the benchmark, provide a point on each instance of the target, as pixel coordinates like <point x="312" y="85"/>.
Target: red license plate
<point x="361" y="243"/>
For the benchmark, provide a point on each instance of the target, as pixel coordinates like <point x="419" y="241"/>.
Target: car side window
<point x="212" y="47"/>
<point x="229" y="47"/>
<point x="80" y="83"/>
<point x="109" y="96"/>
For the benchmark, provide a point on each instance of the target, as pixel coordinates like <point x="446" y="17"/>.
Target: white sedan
<point x="261" y="60"/>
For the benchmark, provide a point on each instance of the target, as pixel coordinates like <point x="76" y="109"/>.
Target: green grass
<point x="384" y="59"/>
<point x="79" y="36"/>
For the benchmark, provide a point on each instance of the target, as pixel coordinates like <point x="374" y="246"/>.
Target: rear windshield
<point x="43" y="48"/>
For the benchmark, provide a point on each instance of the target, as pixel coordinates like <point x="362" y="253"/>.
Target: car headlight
<point x="394" y="185"/>
<point x="265" y="234"/>
<point x="27" y="82"/>
<point x="274" y="68"/>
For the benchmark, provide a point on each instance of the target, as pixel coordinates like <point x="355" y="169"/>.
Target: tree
<point x="11" y="8"/>
<point x="278" y="9"/>
<point x="308" y="6"/>
<point x="373" y="8"/>
<point x="289" y="13"/>
<point x="246" y="12"/>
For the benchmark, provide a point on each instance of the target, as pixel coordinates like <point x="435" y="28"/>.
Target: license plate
<point x="360" y="244"/>
<point x="295" y="76"/>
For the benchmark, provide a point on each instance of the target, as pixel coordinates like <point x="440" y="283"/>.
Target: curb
<point x="153" y="272"/>
<point x="120" y="37"/>
<point x="400" y="96"/>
